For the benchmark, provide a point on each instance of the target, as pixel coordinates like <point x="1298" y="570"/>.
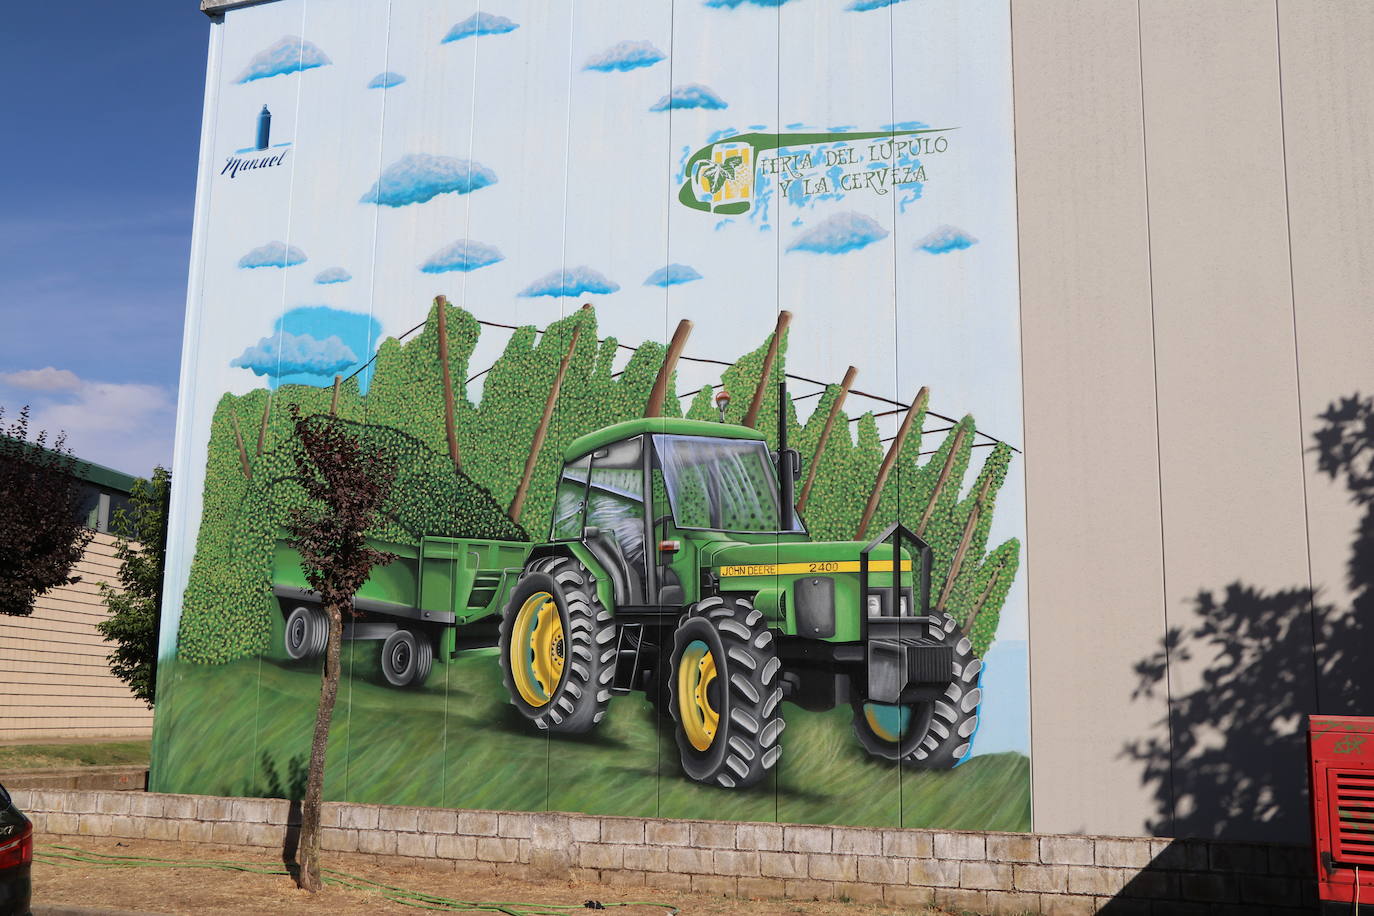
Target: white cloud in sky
<point x="124" y="425"/>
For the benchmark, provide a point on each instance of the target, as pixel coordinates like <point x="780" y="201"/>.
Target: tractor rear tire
<point x="935" y="735"/>
<point x="407" y="658"/>
<point x="725" y="693"/>
<point x="307" y="633"/>
<point x="558" y="647"/>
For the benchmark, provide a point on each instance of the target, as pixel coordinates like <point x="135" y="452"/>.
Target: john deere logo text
<point x="728" y="176"/>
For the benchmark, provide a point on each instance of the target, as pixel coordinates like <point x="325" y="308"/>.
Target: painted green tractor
<point x="676" y="566"/>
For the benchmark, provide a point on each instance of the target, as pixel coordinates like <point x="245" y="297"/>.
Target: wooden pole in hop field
<point x="334" y="398"/>
<point x="752" y="416"/>
<point x="849" y="375"/>
<point x="895" y="449"/>
<point x="654" y="408"/>
<point x="262" y="427"/>
<point x="450" y="430"/>
<point x="941" y="481"/>
<point x="959" y="554"/>
<point x="243" y="452"/>
<point x="967" y="628"/>
<point x="517" y="505"/>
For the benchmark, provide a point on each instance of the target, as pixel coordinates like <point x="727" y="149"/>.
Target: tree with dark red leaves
<point x="41" y="534"/>
<point x="346" y="485"/>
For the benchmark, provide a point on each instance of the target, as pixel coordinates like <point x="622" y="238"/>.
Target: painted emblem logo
<point x="262" y="154"/>
<point x="728" y="176"/>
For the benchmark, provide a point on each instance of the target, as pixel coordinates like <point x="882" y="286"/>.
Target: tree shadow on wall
<point x="1257" y="663"/>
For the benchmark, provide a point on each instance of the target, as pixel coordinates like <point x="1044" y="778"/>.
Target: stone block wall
<point x="986" y="873"/>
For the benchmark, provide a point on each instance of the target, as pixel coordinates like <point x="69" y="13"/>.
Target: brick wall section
<point x="55" y="680"/>
<point x="991" y="873"/>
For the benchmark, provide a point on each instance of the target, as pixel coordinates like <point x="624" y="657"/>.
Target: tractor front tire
<point x="725" y="693"/>
<point x="558" y="649"/>
<point x="934" y="735"/>
<point x="307" y="632"/>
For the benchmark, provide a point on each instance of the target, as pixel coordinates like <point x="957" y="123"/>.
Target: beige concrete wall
<point x="54" y="679"/>
<point x="1194" y="208"/>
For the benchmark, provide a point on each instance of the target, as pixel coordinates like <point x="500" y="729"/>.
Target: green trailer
<point x="675" y="565"/>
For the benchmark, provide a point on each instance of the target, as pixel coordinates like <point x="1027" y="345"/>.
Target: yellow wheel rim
<point x="889" y="723"/>
<point x="696" y="671"/>
<point x="536" y="649"/>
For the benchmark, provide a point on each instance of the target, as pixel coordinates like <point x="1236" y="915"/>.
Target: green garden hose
<point x="71" y="857"/>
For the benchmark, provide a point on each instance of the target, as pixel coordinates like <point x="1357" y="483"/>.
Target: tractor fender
<point x="604" y="588"/>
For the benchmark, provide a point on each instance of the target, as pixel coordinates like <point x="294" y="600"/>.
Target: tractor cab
<point x="644" y="496"/>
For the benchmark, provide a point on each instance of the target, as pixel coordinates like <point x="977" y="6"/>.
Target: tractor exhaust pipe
<point x="788" y="465"/>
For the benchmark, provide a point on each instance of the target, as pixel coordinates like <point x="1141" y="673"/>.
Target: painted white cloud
<point x="570" y="281"/>
<point x="480" y="24"/>
<point x="288" y="354"/>
<point x="690" y="95"/>
<point x="671" y="275"/>
<point x="945" y="239"/>
<point x="419" y="177"/>
<point x="385" y="80"/>
<point x="333" y="275"/>
<point x="464" y="255"/>
<point x="45" y="379"/>
<point x="625" y="55"/>
<point x="839" y="233"/>
<point x="125" y="425"/>
<point x="861" y="6"/>
<point x="287" y="54"/>
<point x="273" y="254"/>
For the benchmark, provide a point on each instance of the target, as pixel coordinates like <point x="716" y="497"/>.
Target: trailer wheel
<point x="929" y="736"/>
<point x="558" y="650"/>
<point x="725" y="693"/>
<point x="307" y="632"/>
<point x="406" y="659"/>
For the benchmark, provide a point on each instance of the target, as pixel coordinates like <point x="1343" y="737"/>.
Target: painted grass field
<point x="243" y="729"/>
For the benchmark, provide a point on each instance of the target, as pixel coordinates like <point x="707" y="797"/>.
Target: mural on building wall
<point x="692" y="514"/>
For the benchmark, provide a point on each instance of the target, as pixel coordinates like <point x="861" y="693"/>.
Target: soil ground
<point x="167" y="890"/>
<point x="88" y="753"/>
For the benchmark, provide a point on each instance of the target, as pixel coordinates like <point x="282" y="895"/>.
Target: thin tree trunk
<point x="657" y="395"/>
<point x="969" y="525"/>
<point x="752" y="416"/>
<point x="334" y="398"/>
<point x="243" y="452"/>
<point x="941" y="481"/>
<point x="890" y="459"/>
<point x="308" y="848"/>
<point x="450" y="429"/>
<point x="517" y="505"/>
<point x="849" y="375"/>
<point x="262" y="427"/>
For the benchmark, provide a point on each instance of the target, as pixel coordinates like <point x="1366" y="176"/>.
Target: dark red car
<point x="16" y="858"/>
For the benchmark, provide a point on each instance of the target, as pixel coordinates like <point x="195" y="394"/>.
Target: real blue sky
<point x="97" y="173"/>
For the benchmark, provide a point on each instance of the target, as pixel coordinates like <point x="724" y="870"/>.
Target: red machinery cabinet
<point x="1341" y="757"/>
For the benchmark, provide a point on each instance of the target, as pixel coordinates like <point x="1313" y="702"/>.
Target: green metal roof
<point x="94" y="473"/>
<point x="663" y="425"/>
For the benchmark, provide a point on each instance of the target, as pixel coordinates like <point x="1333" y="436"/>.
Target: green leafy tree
<point x="40" y="530"/>
<point x="135" y="607"/>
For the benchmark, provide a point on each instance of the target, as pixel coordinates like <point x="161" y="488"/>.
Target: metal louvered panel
<point x="1351" y="797"/>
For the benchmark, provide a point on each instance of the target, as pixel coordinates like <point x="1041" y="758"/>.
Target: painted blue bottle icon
<point x="264" y="128"/>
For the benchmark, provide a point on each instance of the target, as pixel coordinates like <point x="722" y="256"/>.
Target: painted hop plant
<point x="718" y="173"/>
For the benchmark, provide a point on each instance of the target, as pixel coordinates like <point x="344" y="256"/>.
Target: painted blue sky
<point x="98" y="178"/>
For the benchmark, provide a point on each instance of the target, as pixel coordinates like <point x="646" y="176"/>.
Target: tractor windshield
<point x="721" y="484"/>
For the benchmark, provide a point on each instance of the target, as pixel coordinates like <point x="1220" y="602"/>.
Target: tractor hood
<point x="794" y="557"/>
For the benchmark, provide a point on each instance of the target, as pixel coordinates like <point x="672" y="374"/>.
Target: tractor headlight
<point x="878" y="602"/>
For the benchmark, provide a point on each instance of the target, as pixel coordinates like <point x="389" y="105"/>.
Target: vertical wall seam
<point x="1021" y="339"/>
<point x="1154" y="364"/>
<point x="1312" y="615"/>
